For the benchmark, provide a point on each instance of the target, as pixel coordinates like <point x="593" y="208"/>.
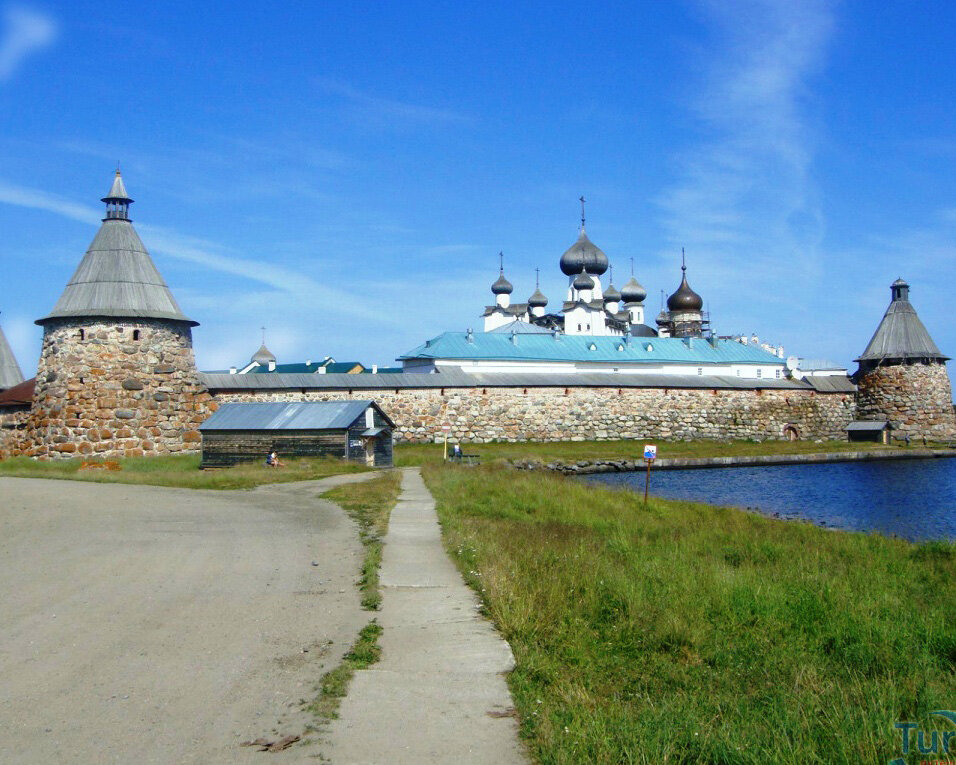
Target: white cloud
<point x="295" y="287"/>
<point x="25" y="31"/>
<point x="746" y="201"/>
<point x="386" y="110"/>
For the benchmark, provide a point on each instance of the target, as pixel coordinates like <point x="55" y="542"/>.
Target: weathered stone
<point x="160" y="396"/>
<point x="131" y="384"/>
<point x="125" y="414"/>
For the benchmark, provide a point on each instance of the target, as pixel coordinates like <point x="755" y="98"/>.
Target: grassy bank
<point x="571" y="451"/>
<point x="686" y="633"/>
<point x="370" y="504"/>
<point x="181" y="471"/>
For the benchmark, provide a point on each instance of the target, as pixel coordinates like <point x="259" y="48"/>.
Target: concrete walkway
<point x="438" y="695"/>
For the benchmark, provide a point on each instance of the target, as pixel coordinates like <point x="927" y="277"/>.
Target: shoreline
<point x="588" y="467"/>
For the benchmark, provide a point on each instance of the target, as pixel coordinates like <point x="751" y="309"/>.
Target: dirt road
<point x="151" y="625"/>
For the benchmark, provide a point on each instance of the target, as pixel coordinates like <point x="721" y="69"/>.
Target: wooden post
<point x="647" y="481"/>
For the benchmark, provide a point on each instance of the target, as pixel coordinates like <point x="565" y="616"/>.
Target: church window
<point x="778" y="374"/>
<point x="759" y="373"/>
<point x="700" y="370"/>
<point x="579" y="327"/>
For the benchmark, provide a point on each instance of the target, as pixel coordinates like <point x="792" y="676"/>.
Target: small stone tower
<point x="117" y="375"/>
<point x="902" y="375"/>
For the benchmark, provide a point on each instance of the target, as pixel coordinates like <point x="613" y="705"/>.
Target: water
<point x="913" y="499"/>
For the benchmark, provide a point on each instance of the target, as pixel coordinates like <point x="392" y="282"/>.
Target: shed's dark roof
<point x="296" y="415"/>
<point x="868" y="425"/>
<point x="10" y="373"/>
<point x="901" y="335"/>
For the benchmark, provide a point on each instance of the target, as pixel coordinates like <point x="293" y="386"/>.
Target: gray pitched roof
<point x="297" y="415"/>
<point x="901" y="334"/>
<point x="10" y="373"/>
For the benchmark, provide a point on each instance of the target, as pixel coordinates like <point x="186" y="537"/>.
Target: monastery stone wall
<point x="916" y="398"/>
<point x="115" y="388"/>
<point x="577" y="414"/>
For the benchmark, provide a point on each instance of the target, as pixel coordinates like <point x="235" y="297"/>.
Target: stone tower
<point x="902" y="375"/>
<point x="117" y="376"/>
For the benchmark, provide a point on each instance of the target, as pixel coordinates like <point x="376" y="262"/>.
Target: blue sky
<point x="346" y="173"/>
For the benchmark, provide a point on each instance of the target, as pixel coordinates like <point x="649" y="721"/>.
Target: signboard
<point x="355" y="444"/>
<point x="650" y="451"/>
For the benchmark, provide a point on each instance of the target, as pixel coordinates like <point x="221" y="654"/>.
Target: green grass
<point x="181" y="471"/>
<point x="571" y="451"/>
<point x="686" y="633"/>
<point x="369" y="504"/>
<point x="335" y="683"/>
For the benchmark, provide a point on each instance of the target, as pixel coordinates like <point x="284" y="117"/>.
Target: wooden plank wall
<point x="230" y="447"/>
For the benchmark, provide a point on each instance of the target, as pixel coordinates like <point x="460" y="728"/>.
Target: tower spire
<point x="117" y="201"/>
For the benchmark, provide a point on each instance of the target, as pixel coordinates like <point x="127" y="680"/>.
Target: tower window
<point x="136" y="334"/>
<point x="82" y="334"/>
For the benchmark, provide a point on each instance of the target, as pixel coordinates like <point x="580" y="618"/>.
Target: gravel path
<point x="153" y="625"/>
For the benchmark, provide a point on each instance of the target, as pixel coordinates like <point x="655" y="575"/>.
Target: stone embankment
<point x="586" y="467"/>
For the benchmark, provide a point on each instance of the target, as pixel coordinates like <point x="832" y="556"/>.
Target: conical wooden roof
<point x="901" y="334"/>
<point x="117" y="277"/>
<point x="10" y="373"/>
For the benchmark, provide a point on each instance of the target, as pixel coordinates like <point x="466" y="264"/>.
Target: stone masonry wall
<point x="100" y="392"/>
<point x="916" y="398"/>
<point x="577" y="414"/>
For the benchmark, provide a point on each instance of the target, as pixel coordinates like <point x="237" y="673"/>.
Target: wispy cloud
<point x="292" y="285"/>
<point x="388" y="109"/>
<point x="25" y="31"/>
<point x="745" y="196"/>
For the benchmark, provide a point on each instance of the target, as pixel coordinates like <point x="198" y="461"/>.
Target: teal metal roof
<point x="585" y="348"/>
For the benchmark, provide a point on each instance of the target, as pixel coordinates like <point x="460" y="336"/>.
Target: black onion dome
<point x="611" y="295"/>
<point x="537" y="299"/>
<point x="502" y="286"/>
<point x="263" y="355"/>
<point x="685" y="299"/>
<point x="633" y="292"/>
<point x="583" y="282"/>
<point x="583" y="254"/>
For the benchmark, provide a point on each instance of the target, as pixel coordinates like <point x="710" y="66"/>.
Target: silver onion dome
<point x="583" y="282"/>
<point x="263" y="355"/>
<point x="583" y="254"/>
<point x="633" y="292"/>
<point x="502" y="286"/>
<point x="537" y="299"/>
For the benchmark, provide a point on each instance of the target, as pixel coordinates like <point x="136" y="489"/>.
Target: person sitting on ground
<point x="273" y="459"/>
<point x="456" y="452"/>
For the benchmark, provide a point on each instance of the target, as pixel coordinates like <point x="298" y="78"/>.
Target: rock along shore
<point x="584" y="467"/>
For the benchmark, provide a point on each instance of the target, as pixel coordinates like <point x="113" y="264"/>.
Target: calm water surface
<point x="914" y="499"/>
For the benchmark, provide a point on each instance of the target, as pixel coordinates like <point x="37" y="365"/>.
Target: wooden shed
<point x="247" y="432"/>
<point x="877" y="431"/>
